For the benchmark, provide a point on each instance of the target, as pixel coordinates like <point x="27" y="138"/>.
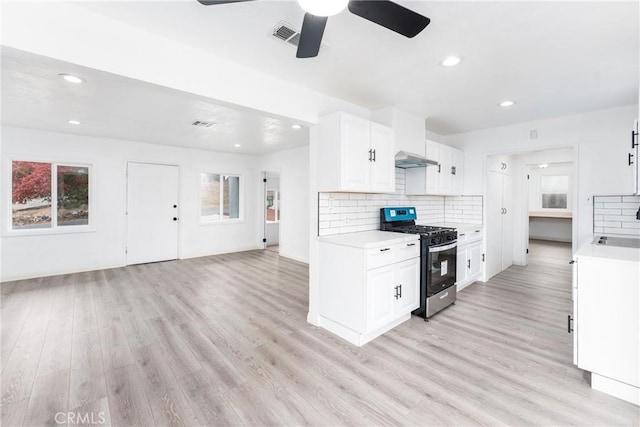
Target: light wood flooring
<point x="223" y="340"/>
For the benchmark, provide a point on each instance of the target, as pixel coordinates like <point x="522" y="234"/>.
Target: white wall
<point x="72" y="33"/>
<point x="601" y="141"/>
<point x="293" y="167"/>
<point x="42" y="255"/>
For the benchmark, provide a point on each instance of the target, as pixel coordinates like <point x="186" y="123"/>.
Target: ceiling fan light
<point x="323" y="7"/>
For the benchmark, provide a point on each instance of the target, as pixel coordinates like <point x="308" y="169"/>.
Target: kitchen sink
<point x="625" y="242"/>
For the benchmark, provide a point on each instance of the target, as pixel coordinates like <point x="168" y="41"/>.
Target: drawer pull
<point x="385" y="249"/>
<point x="411" y="244"/>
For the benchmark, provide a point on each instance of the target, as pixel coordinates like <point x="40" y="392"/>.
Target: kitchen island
<point x="606" y="322"/>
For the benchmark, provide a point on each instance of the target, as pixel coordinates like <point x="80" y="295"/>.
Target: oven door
<point x="441" y="267"/>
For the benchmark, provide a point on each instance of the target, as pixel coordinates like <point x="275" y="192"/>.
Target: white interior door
<point x="152" y="212"/>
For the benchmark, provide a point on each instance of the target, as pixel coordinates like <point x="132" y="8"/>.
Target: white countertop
<point x="369" y="239"/>
<point x="609" y="252"/>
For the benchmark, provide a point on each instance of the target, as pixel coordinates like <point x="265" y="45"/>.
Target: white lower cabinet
<point x="367" y="288"/>
<point x="606" y="320"/>
<point x="470" y="258"/>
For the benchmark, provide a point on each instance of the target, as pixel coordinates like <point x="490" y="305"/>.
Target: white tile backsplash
<point x="616" y="215"/>
<point x="340" y="213"/>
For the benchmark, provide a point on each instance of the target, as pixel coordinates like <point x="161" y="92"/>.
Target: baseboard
<point x="294" y="257"/>
<point x="206" y="254"/>
<point x="59" y="273"/>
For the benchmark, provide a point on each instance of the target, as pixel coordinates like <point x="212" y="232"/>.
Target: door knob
<point x="175" y="218"/>
<point x="175" y="206"/>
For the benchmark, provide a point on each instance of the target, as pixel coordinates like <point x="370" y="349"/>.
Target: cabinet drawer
<point x="407" y="251"/>
<point x="386" y="255"/>
<point x="382" y="256"/>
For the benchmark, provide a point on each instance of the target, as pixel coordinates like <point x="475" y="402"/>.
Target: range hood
<point x="406" y="160"/>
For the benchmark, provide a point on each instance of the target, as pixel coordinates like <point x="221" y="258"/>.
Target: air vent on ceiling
<point x="285" y="32"/>
<point x="203" y="124"/>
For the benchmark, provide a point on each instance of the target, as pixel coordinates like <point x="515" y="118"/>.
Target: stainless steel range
<point x="437" y="258"/>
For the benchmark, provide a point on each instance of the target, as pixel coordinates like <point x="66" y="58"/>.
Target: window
<point x="219" y="197"/>
<point x="48" y="195"/>
<point x="273" y="206"/>
<point x="554" y="190"/>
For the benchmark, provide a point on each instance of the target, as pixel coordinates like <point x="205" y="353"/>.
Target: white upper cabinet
<point x="500" y="163"/>
<point x="355" y="155"/>
<point x="446" y="178"/>
<point x="634" y="160"/>
<point x="408" y="129"/>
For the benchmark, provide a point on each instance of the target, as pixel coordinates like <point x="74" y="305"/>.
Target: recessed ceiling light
<point x="296" y="126"/>
<point x="237" y="145"/>
<point x="507" y="103"/>
<point x="71" y="78"/>
<point x="73" y="122"/>
<point x="451" y="61"/>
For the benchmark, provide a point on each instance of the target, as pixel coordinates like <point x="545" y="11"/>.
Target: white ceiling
<point x="107" y="105"/>
<point x="554" y="58"/>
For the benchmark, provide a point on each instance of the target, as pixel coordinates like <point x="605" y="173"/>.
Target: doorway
<point x="272" y="204"/>
<point x="550" y="201"/>
<point x="152" y="212"/>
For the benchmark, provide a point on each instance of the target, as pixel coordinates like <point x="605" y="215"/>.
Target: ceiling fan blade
<point x="390" y="15"/>
<point x="214" y="2"/>
<point x="311" y="35"/>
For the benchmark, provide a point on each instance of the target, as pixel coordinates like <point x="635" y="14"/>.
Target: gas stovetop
<point x="424" y="230"/>
<point x="403" y="220"/>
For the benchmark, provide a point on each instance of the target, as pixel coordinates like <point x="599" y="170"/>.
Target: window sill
<point x="49" y="231"/>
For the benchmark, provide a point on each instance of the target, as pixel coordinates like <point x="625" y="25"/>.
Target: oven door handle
<point x="442" y="248"/>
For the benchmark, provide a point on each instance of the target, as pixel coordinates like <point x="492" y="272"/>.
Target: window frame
<point x="276" y="205"/>
<point x="568" y="193"/>
<point x="221" y="220"/>
<point x="9" y="231"/>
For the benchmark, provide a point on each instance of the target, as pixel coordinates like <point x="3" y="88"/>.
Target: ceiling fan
<point x="382" y="12"/>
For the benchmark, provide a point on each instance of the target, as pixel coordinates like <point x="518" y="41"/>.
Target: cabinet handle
<point x="482" y="257"/>
<point x="468" y="263"/>
<point x="505" y="211"/>
<point x="630" y="156"/>
<point x="634" y="139"/>
<point x="569" y="328"/>
<point x="396" y="289"/>
<point x="573" y="261"/>
<point x="400" y="291"/>
<point x="439" y="167"/>
<point x="370" y="154"/>
<point x="453" y="170"/>
<point x="411" y="244"/>
<point x="374" y="155"/>
<point x="385" y="249"/>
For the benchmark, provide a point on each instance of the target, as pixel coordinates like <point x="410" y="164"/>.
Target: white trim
<point x="59" y="273"/>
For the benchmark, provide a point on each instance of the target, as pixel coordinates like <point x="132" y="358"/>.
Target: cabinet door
<point x="475" y="257"/>
<point x="493" y="237"/>
<point x="380" y="300"/>
<point x="462" y="272"/>
<point x="433" y="153"/>
<point x="445" y="177"/>
<point x="507" y="223"/>
<point x="609" y="332"/>
<point x="383" y="172"/>
<point x="635" y="151"/>
<point x="408" y="278"/>
<point x="355" y="169"/>
<point x="457" y="171"/>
